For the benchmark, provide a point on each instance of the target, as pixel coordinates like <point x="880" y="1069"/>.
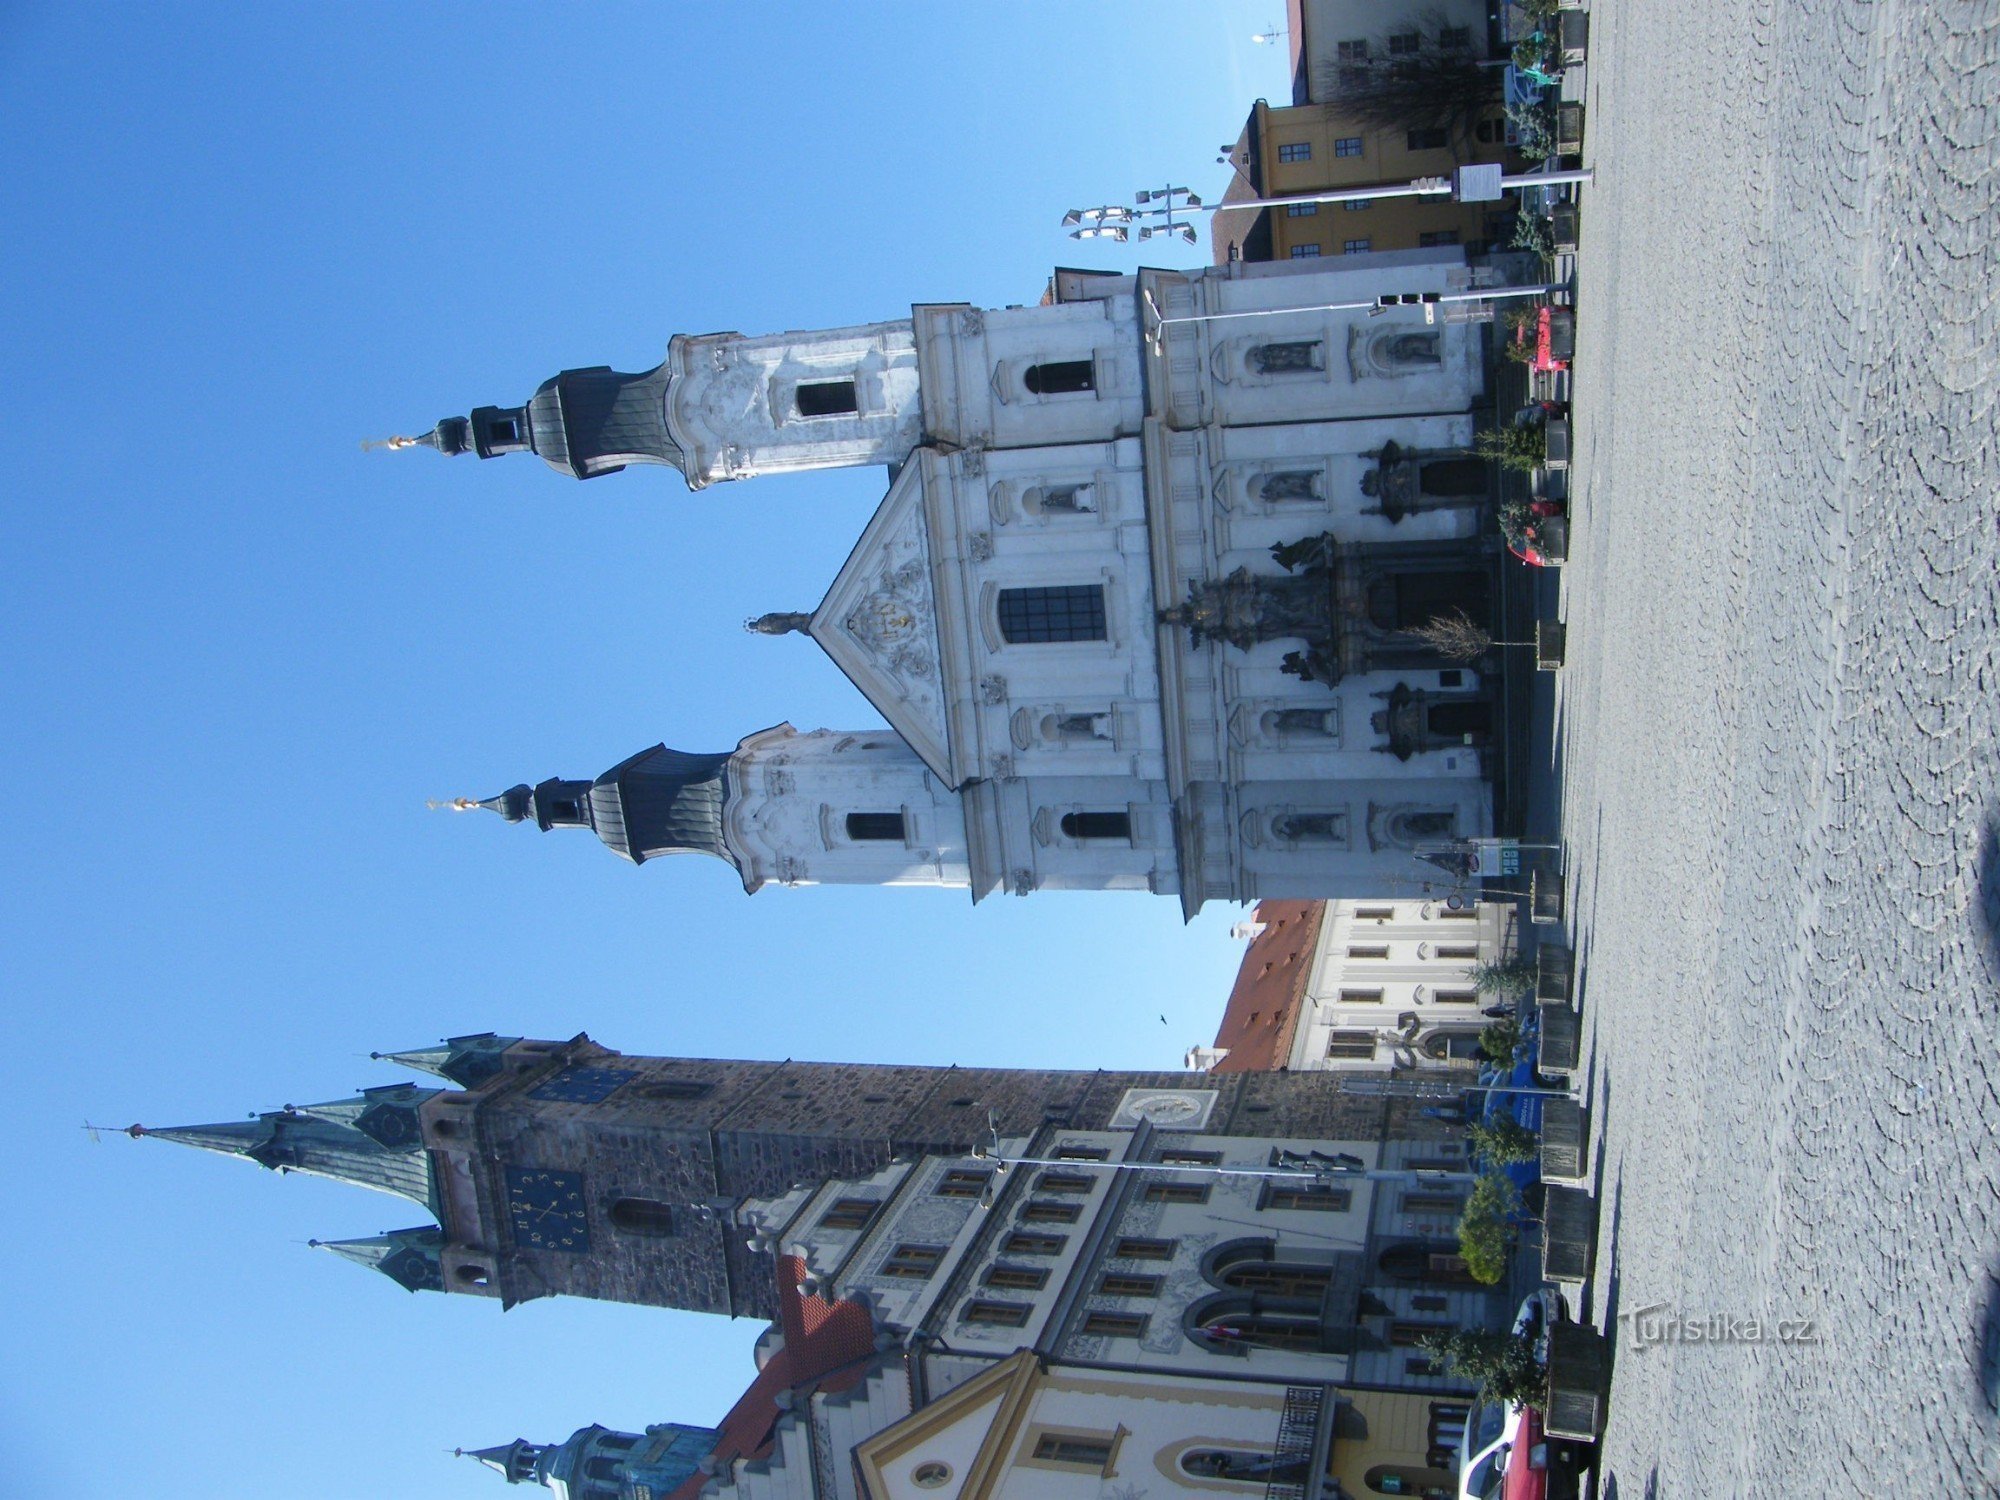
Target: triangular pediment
<point x="966" y="1432"/>
<point x="879" y="623"/>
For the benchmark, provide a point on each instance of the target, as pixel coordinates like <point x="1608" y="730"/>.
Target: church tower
<point x="721" y="406"/>
<point x="600" y="1464"/>
<point x="567" y="1168"/>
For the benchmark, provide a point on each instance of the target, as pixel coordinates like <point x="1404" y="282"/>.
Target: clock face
<point x="582" y="1085"/>
<point x="547" y="1209"/>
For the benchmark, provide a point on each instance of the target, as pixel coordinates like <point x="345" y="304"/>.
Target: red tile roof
<point x="827" y="1347"/>
<point x="1263" y="1010"/>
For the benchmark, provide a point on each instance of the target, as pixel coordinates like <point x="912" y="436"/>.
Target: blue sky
<point x="243" y="653"/>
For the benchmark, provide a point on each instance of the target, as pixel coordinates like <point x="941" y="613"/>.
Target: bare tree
<point x="1455" y="636"/>
<point x="1427" y="78"/>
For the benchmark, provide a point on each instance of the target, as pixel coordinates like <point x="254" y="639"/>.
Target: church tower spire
<point x="582" y="422"/>
<point x="371" y="1141"/>
<point x="659" y="801"/>
<point x="408" y="1257"/>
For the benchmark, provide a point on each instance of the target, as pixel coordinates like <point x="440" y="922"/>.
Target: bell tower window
<point x="1060" y="378"/>
<point x="505" y="430"/>
<point x="1097" y="825"/>
<point x="876" y="827"/>
<point x="827" y="398"/>
<point x="642" y="1216"/>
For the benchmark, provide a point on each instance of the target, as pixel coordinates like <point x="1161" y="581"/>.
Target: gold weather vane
<point x="372" y="445"/>
<point x="455" y="804"/>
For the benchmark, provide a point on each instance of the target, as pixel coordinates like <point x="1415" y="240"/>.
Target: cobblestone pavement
<point x="1778" y="729"/>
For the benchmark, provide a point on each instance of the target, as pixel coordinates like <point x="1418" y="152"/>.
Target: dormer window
<point x="827" y="398"/>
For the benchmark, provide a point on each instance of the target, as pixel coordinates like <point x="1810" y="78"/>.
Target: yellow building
<point x="1316" y="148"/>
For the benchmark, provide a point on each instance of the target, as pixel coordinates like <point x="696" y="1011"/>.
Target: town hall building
<point x="1138" y="608"/>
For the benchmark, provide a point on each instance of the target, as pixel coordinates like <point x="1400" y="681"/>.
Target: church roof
<point x="371" y="1141"/>
<point x="879" y="623"/>
<point x="662" y="801"/>
<point x="1262" y="1015"/>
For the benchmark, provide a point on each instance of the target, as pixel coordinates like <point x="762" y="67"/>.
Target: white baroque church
<point x="1136" y="606"/>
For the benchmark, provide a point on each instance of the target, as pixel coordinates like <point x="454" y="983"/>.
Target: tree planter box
<point x="1569" y="129"/>
<point x="1562" y="1038"/>
<point x="1565" y="1139"/>
<point x="1563" y="227"/>
<point x="1550" y="639"/>
<point x="1556" y="431"/>
<point x="1579" y="1383"/>
<point x="1553" y="966"/>
<point x="1569" y="1233"/>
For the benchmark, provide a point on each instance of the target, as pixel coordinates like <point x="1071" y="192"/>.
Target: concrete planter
<point x="1553" y="536"/>
<point x="1569" y="1234"/>
<point x="1551" y="638"/>
<point x="1563" y="226"/>
<point x="1545" y="898"/>
<point x="1565" y="1139"/>
<point x="1573" y="32"/>
<point x="1579" y="1383"/>
<point x="1562" y="1038"/>
<point x="1556" y="431"/>
<point x="1569" y="129"/>
<point x="1562" y="334"/>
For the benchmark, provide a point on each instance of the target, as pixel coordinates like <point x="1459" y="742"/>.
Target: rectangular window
<point x="1349" y="145"/>
<point x="1139" y="1248"/>
<point x="1409" y="1335"/>
<point x="913" y="1262"/>
<point x="1117" y="1325"/>
<point x="1430" y="138"/>
<point x="1065" y="1182"/>
<point x="1434" y="1164"/>
<point x="1025" y="1242"/>
<point x="1176" y="1192"/>
<point x="883" y="827"/>
<point x="1067" y="1152"/>
<point x="1432" y="237"/>
<point x="1301" y="210"/>
<point x="1359" y="1045"/>
<point x="1457" y="914"/>
<point x="1018" y="1278"/>
<point x="1354" y="247"/>
<point x="1097" y="825"/>
<point x="1063" y="377"/>
<point x="1455" y="997"/>
<point x="1295" y="151"/>
<point x="1072" y="1448"/>
<point x="1332" y="1200"/>
<point x="849" y="1213"/>
<point x="963" y="1182"/>
<point x="1368" y="950"/>
<point x="1353" y="52"/>
<point x="1071" y="612"/>
<point x="1454" y="38"/>
<point x="1404" y="42"/>
<point x="998" y="1314"/>
<point x="1305" y="252"/>
<point x="1357" y="995"/>
<point x="1129" y="1284"/>
<point x="1429" y="1302"/>
<point x="1420" y="1366"/>
<point x="1355" y="205"/>
<point x="827" y="398"/>
<point x="1431" y="1203"/>
<point x="1050" y="1211"/>
<point x="505" y="430"/>
<point x="1456" y="950"/>
<point x="1374" y="913"/>
<point x="1184" y="1156"/>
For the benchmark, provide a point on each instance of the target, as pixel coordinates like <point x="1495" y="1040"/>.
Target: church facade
<point x="1141" y="607"/>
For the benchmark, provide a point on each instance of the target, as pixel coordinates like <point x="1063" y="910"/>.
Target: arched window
<point x="642" y="1216"/>
<point x="1075" y="729"/>
<point x="1391" y="353"/>
<point x="1058" y="500"/>
<point x="1310" y="828"/>
<point x="601" y="1468"/>
<point x="1061" y="377"/>
<point x="1039" y="616"/>
<point x="1241" y="1329"/>
<point x="471" y="1275"/>
<point x="1245" y="1465"/>
<point x="1097" y="825"/>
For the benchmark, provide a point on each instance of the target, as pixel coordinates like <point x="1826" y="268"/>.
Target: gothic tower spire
<point x="408" y="1257"/>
